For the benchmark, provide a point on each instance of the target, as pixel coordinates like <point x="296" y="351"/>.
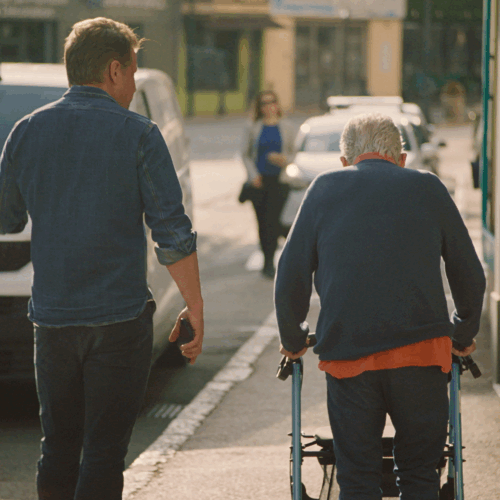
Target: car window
<point x="420" y="134"/>
<point x="159" y="103"/>
<point x="141" y="104"/>
<point x="173" y="102"/>
<point x="321" y="143"/>
<point x="17" y="101"/>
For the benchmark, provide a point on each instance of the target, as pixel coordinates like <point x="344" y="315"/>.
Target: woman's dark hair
<point x="257" y="112"/>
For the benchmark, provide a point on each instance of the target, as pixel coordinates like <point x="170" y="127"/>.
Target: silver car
<point x="24" y="88"/>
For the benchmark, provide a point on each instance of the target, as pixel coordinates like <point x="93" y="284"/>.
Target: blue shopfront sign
<point x="340" y="9"/>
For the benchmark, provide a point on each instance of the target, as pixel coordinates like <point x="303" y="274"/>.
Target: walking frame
<point x="451" y="489"/>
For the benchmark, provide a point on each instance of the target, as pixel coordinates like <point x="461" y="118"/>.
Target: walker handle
<point x="285" y="367"/>
<point x="469" y="364"/>
<point x="466" y="362"/>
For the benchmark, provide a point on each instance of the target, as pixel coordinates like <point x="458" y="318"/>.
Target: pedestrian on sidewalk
<point x="87" y="170"/>
<point x="266" y="149"/>
<point x="373" y="235"/>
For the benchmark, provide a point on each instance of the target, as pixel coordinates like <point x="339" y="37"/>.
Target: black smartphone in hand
<point x="186" y="334"/>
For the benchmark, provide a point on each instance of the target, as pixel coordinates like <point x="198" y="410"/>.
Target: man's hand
<point x="292" y="355"/>
<point x="466" y="352"/>
<point x="193" y="349"/>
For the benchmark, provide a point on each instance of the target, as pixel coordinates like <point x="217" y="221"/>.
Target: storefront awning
<point x="239" y="22"/>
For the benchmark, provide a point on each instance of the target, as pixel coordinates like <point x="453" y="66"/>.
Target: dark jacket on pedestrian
<point x="373" y="236"/>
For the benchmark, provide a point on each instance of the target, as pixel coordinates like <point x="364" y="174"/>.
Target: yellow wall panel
<point x="384" y="56"/>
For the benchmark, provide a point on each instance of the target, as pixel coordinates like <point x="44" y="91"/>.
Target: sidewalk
<point x="241" y="449"/>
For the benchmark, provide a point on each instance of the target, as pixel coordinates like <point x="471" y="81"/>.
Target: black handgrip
<point x="285" y="368"/>
<point x="471" y="365"/>
<point x="311" y="340"/>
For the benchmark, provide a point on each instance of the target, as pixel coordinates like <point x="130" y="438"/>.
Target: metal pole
<point x="483" y="165"/>
<point x="296" y="430"/>
<point x="456" y="430"/>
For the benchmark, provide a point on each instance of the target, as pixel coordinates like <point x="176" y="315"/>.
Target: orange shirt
<point x="433" y="352"/>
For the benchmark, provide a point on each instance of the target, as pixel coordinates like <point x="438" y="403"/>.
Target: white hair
<point x="370" y="133"/>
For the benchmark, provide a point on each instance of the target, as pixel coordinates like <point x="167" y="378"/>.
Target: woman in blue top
<point x="267" y="148"/>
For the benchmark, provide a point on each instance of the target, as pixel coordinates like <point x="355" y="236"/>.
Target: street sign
<point x="340" y="9"/>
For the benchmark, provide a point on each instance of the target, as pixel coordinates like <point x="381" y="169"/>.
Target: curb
<point x="237" y="369"/>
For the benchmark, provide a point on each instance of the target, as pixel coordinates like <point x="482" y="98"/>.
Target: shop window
<point x="330" y="60"/>
<point x="27" y="41"/>
<point x="302" y="58"/>
<point x="213" y="57"/>
<point x="455" y="55"/>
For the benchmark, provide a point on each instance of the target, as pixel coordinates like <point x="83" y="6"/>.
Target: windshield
<point x="321" y="142"/>
<point x="18" y="101"/>
<point x="330" y="142"/>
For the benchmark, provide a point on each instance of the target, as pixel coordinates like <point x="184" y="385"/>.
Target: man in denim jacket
<point x="87" y="170"/>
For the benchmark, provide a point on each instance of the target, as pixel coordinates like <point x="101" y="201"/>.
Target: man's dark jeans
<point x="416" y="398"/>
<point x="91" y="383"/>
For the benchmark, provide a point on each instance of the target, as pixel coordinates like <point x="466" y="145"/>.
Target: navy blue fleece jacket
<point x="373" y="236"/>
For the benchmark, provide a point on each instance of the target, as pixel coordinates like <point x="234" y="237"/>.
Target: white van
<point x="25" y="87"/>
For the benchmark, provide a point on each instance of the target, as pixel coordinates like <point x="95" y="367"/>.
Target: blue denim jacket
<point x="87" y="171"/>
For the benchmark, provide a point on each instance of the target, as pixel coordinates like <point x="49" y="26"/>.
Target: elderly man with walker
<point x="373" y="236"/>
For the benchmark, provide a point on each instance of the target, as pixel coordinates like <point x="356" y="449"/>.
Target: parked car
<point x="317" y="148"/>
<point x="24" y="88"/>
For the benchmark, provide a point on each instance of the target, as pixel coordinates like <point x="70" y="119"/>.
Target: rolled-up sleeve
<point x="171" y="228"/>
<point x="13" y="214"/>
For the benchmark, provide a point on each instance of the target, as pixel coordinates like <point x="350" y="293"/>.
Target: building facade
<point x="305" y="50"/>
<point x="454" y="31"/>
<point x="35" y="30"/>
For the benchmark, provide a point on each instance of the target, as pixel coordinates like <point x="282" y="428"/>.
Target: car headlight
<point x="294" y="177"/>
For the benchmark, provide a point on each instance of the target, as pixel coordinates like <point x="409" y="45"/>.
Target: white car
<point x="23" y="88"/>
<point x="318" y="149"/>
<point x="424" y="132"/>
